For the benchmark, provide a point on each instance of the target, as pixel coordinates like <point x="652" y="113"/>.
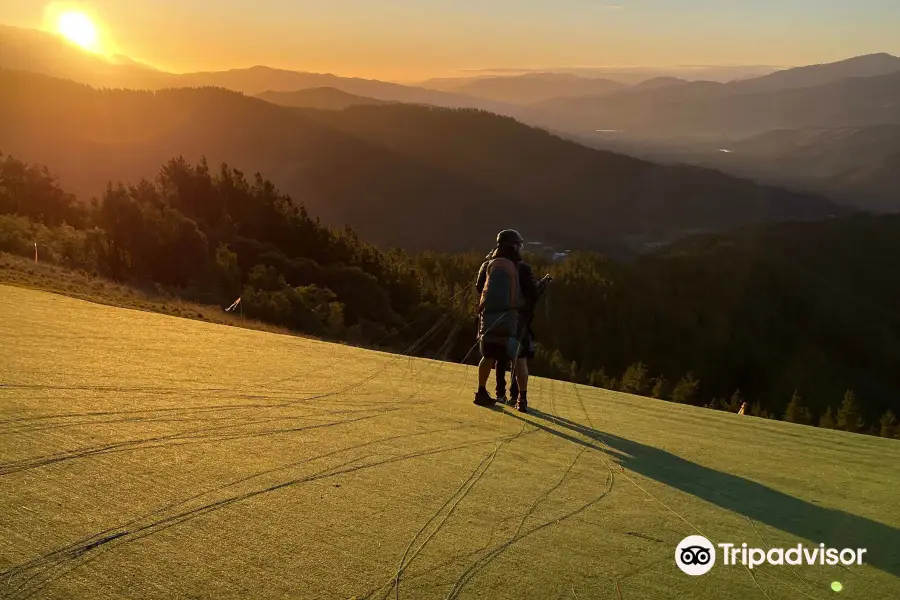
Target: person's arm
<point x="482" y="278"/>
<point x="479" y="286"/>
<point x="527" y="284"/>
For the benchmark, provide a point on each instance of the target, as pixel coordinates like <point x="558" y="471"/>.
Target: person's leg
<point x="484" y="371"/>
<point x="482" y="398"/>
<point x="522" y="375"/>
<point x="514" y="386"/>
<point x="502" y="366"/>
<point x="526" y="352"/>
<point x="522" y="380"/>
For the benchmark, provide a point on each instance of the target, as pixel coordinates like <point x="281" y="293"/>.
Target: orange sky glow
<point x="409" y="39"/>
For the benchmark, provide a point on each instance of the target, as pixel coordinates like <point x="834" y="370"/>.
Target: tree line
<point x="796" y="322"/>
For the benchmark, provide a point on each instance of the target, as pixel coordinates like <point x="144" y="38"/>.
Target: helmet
<point x="509" y="236"/>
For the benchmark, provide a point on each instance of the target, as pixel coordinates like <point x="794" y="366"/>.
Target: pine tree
<point x="757" y="410"/>
<point x="635" y="380"/>
<point x="716" y="404"/>
<point x="888" y="424"/>
<point x="573" y="372"/>
<point x="686" y="389"/>
<point x="734" y="404"/>
<point x="796" y="412"/>
<point x="599" y="378"/>
<point x="849" y="417"/>
<point x="826" y="421"/>
<point x="335" y="318"/>
<point x="661" y="388"/>
<point x="557" y="362"/>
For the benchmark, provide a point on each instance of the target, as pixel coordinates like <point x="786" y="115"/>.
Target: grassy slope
<point x="148" y="456"/>
<point x="23" y="272"/>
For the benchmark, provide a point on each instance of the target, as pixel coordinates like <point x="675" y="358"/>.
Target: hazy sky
<point x="408" y="39"/>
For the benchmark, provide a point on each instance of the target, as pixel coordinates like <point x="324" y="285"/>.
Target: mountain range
<point x="856" y="165"/>
<point x="324" y="98"/>
<point x="786" y="128"/>
<point x="530" y="88"/>
<point x="413" y="176"/>
<point x="743" y="108"/>
<point x="40" y="52"/>
<point x="830" y="129"/>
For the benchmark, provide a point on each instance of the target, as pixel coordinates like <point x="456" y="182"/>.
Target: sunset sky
<point x="409" y="39"/>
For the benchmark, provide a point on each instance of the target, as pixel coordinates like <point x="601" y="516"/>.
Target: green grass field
<point x="23" y="272"/>
<point x="149" y="456"/>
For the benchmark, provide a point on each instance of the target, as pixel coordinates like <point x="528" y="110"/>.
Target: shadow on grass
<point x="807" y="520"/>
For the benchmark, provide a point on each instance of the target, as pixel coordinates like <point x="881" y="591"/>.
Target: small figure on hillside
<point x="526" y="316"/>
<point x="507" y="294"/>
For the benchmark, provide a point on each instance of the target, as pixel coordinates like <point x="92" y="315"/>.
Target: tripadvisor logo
<point x="696" y="555"/>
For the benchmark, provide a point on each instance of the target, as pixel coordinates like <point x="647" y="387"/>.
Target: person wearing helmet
<point x="505" y="286"/>
<point x="526" y="316"/>
<point x="502" y="366"/>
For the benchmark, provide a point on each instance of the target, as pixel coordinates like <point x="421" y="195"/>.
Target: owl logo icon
<point x="695" y="555"/>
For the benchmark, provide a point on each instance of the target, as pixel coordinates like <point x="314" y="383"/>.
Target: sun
<point x="79" y="29"/>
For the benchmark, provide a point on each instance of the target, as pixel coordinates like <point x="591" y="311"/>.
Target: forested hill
<point x="321" y="98"/>
<point x="803" y="310"/>
<point x="805" y="307"/>
<point x="597" y="192"/>
<point x="416" y="177"/>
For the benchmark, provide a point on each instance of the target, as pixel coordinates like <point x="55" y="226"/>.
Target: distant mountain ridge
<point x="857" y="166"/>
<point x="326" y="98"/>
<point x="41" y="52"/>
<point x="870" y="65"/>
<point x="260" y="79"/>
<point x="705" y="108"/>
<point x="659" y="83"/>
<point x="536" y="87"/>
<point x="417" y="177"/>
<point x="45" y="53"/>
<point x="860" y="92"/>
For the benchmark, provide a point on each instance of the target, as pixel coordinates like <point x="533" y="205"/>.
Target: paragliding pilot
<point x="507" y="294"/>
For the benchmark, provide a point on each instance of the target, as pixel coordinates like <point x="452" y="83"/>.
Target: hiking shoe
<point x="522" y="406"/>
<point x="484" y="399"/>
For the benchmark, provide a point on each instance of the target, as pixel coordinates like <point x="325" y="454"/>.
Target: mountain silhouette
<point x="260" y="79"/>
<point x="41" y="52"/>
<point x="709" y="109"/>
<point x="326" y="98"/>
<point x="858" y="165"/>
<point x="870" y="65"/>
<point x="48" y="54"/>
<point x="659" y="83"/>
<point x="534" y="87"/>
<point x="385" y="170"/>
<point x="853" y="165"/>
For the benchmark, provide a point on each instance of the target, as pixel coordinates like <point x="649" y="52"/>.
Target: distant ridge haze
<point x="861" y="92"/>
<point x="378" y="168"/>
<point x="855" y="92"/>
<point x="45" y="53"/>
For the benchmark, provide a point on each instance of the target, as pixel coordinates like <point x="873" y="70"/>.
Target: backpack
<point x="500" y="300"/>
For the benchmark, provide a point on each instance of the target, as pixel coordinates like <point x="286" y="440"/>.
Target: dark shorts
<point x="500" y="351"/>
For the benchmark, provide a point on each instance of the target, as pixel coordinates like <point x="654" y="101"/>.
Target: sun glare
<point x="78" y="28"/>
